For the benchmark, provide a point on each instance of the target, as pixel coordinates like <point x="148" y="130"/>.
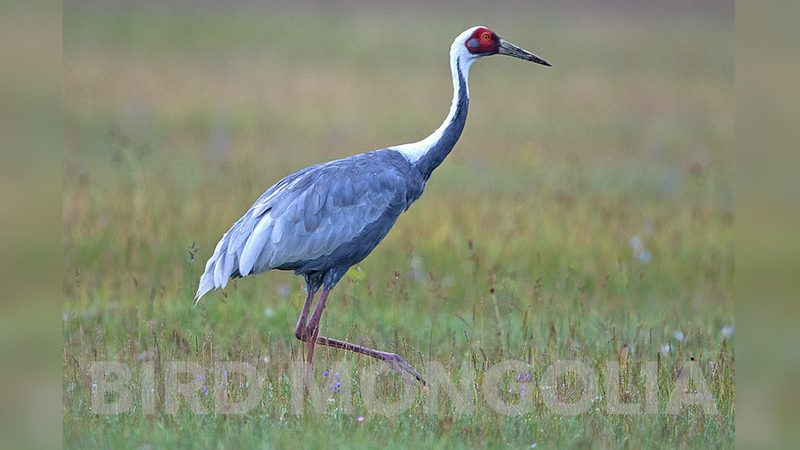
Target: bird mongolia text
<point x="507" y="388"/>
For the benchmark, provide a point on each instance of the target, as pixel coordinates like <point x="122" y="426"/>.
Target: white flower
<point x="639" y="251"/>
<point x="636" y="244"/>
<point x="727" y="331"/>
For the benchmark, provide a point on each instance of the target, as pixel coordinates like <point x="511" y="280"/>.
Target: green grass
<point x="175" y="122"/>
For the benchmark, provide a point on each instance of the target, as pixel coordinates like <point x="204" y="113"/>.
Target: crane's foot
<point x="405" y="370"/>
<point x="394" y="361"/>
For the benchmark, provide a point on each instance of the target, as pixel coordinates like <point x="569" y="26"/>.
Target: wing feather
<point x="252" y="245"/>
<point x="277" y="230"/>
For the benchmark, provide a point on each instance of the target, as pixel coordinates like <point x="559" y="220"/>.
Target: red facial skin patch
<point x="483" y="41"/>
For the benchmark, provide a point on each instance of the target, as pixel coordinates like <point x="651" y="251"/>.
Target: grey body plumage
<point x="319" y="221"/>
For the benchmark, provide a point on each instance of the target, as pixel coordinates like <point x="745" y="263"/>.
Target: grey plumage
<point x="318" y="221"/>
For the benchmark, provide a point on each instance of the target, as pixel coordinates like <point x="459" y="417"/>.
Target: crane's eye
<point x="486" y="37"/>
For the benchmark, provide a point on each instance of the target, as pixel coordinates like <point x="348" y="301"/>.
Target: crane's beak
<point x="507" y="48"/>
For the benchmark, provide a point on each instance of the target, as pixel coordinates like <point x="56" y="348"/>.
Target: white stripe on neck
<point x="459" y="58"/>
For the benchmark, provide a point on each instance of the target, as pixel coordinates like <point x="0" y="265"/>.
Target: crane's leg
<point x="392" y="359"/>
<point x="312" y="327"/>
<point x="312" y="334"/>
<point x="301" y="322"/>
<point x="300" y="333"/>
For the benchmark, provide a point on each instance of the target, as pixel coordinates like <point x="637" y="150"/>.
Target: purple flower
<point x="205" y="389"/>
<point x="325" y="374"/>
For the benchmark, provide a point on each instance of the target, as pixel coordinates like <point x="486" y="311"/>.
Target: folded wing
<point x="307" y="215"/>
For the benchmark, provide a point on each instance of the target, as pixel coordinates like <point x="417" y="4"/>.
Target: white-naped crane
<point x="323" y="219"/>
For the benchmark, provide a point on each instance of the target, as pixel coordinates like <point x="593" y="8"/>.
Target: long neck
<point x="429" y="153"/>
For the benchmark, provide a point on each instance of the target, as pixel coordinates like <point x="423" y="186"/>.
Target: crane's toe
<point x="403" y="368"/>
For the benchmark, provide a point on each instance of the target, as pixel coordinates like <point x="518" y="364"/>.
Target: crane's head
<point x="481" y="41"/>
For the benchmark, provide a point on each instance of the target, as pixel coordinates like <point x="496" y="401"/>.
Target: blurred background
<point x="199" y="109"/>
<point x="598" y="192"/>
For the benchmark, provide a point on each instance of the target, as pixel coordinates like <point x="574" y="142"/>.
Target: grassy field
<point x="585" y="215"/>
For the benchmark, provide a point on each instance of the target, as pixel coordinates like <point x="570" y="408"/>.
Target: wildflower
<point x="205" y="389"/>
<point x="325" y="374"/>
<point x="678" y="335"/>
<point x="527" y="377"/>
<point x="639" y="251"/>
<point x="727" y="331"/>
<point x="664" y="349"/>
<point x="360" y="419"/>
